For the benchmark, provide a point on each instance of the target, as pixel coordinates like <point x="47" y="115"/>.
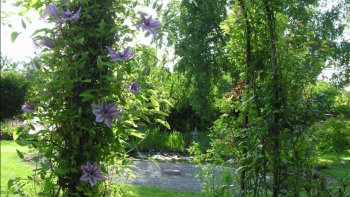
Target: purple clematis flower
<point x="91" y="173"/>
<point x="58" y="17"/>
<point x="106" y="113"/>
<point x="28" y="107"/>
<point x="51" y="11"/>
<point x="148" y="24"/>
<point x="68" y="15"/>
<point x="127" y="54"/>
<point x="134" y="88"/>
<point x="47" y="42"/>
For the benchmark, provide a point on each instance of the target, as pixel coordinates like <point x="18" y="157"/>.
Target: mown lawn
<point x="336" y="166"/>
<point x="12" y="166"/>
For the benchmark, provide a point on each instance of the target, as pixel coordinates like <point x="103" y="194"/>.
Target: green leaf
<point x="45" y="30"/>
<point x="167" y="102"/>
<point x="14" y="135"/>
<point x="144" y="117"/>
<point x="137" y="134"/>
<point x="87" y="96"/>
<point x="131" y="123"/>
<point x="102" y="26"/>
<point x="10" y="183"/>
<point x="146" y="70"/>
<point x="163" y="122"/>
<point x="20" y="154"/>
<point x="14" y="36"/>
<point x="81" y="41"/>
<point x="154" y="102"/>
<point x="99" y="62"/>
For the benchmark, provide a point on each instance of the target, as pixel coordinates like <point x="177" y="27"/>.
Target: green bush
<point x="175" y="141"/>
<point x="10" y="129"/>
<point x="161" y="141"/>
<point x="13" y="89"/>
<point x="332" y="136"/>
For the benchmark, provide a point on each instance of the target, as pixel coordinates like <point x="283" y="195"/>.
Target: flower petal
<point x="108" y="122"/>
<point x="92" y="181"/>
<point x="100" y="118"/>
<point x="85" y="177"/>
<point x="99" y="176"/>
<point x="85" y="169"/>
<point x="111" y="107"/>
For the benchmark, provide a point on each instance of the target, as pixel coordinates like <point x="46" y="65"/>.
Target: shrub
<point x="13" y="89"/>
<point x="175" y="141"/>
<point x="161" y="141"/>
<point x="10" y="129"/>
<point x="333" y="135"/>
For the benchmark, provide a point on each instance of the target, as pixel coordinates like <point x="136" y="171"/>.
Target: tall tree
<point x="199" y="45"/>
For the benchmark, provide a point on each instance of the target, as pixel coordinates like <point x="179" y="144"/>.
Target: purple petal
<point x="66" y="14"/>
<point x="97" y="111"/>
<point x="139" y="24"/>
<point x="111" y="106"/>
<point x="85" y="169"/>
<point x="85" y="177"/>
<point x="89" y="165"/>
<point x="143" y="19"/>
<point x="76" y="15"/>
<point x="116" y="116"/>
<point x="111" y="52"/>
<point x="152" y="32"/>
<point x="155" y="25"/>
<point x="92" y="181"/>
<point x="104" y="105"/>
<point x="149" y="20"/>
<point x="99" y="176"/>
<point x="96" y="169"/>
<point x="92" y="169"/>
<point x="53" y="10"/>
<point x="100" y="118"/>
<point x="108" y="122"/>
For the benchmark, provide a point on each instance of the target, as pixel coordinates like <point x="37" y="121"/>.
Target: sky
<point x="23" y="49"/>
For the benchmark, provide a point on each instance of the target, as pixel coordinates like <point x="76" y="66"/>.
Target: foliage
<point x="11" y="129"/>
<point x="268" y="109"/>
<point x="157" y="140"/>
<point x="199" y="45"/>
<point x="328" y="100"/>
<point x="333" y="136"/>
<point x="13" y="90"/>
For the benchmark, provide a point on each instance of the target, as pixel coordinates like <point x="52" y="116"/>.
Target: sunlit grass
<point x="336" y="165"/>
<point x="12" y="166"/>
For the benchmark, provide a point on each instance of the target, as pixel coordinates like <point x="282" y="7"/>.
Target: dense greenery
<point x="247" y="72"/>
<point x="13" y="89"/>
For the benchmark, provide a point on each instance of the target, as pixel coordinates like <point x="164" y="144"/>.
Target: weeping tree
<point x="198" y="40"/>
<point x="86" y="93"/>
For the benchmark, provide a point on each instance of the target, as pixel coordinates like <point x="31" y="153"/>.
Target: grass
<point x="12" y="166"/>
<point x="138" y="191"/>
<point x="334" y="166"/>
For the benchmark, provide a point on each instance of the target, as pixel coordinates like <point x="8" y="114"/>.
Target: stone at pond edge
<point x="171" y="172"/>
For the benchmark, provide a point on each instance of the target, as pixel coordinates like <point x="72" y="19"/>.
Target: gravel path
<point x="177" y="176"/>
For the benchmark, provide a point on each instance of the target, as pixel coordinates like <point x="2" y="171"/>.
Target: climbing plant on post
<point x="88" y="93"/>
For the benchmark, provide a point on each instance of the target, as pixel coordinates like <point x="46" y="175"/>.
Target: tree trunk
<point x="274" y="128"/>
